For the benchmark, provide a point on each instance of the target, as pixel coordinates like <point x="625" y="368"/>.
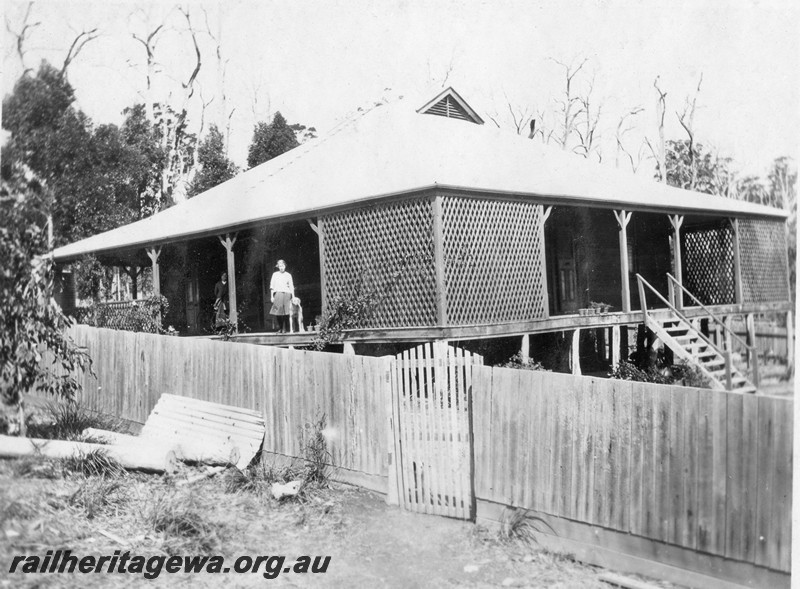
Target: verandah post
<point x="677" y="270"/>
<point x="623" y="218"/>
<point x="228" y="242"/>
<point x="439" y="261"/>
<point x="575" y="353"/>
<point x="153" y="254"/>
<point x="546" y="210"/>
<point x="737" y="263"/>
<point x="615" y="346"/>
<point x="789" y="343"/>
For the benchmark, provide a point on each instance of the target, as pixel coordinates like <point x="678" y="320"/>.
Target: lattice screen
<point x="494" y="261"/>
<point x="762" y="250"/>
<point x="388" y="248"/>
<point x="707" y="261"/>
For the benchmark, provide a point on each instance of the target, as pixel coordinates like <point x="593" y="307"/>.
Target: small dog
<point x="297" y="315"/>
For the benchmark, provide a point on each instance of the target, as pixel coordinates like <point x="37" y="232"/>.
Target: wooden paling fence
<point x="292" y="389"/>
<point x="696" y="479"/>
<point x="699" y="469"/>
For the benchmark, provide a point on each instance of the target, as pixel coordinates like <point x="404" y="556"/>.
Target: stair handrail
<point x="710" y="313"/>
<point x="726" y="355"/>
<point x="751" y="350"/>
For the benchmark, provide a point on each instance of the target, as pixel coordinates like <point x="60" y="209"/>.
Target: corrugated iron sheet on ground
<point x="206" y="427"/>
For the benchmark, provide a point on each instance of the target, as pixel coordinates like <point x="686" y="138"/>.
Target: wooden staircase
<point x="690" y="345"/>
<point x="675" y="330"/>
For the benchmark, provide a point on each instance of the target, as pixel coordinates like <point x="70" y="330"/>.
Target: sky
<point x="319" y="62"/>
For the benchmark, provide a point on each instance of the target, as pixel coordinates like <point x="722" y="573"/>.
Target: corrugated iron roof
<point x="393" y="150"/>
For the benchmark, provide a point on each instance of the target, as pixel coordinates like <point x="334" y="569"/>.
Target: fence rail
<point x="700" y="469"/>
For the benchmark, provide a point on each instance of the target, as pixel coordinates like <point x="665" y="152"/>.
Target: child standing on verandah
<point x="281" y="290"/>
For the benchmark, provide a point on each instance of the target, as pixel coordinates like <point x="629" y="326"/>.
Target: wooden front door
<point x="567" y="285"/>
<point x="193" y="303"/>
<point x="433" y="429"/>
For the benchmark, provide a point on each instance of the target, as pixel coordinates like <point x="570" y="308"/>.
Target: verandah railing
<point x="140" y="315"/>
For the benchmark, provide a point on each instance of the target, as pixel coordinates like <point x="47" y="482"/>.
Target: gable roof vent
<point x="449" y="104"/>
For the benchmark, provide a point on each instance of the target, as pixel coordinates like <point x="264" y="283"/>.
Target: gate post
<point x="394" y="494"/>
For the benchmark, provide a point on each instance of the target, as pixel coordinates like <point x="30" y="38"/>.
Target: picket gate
<point x="433" y="429"/>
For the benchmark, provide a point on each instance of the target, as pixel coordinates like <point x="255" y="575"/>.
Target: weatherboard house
<point x="462" y="231"/>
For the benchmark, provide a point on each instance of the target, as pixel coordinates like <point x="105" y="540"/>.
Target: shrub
<point x="518" y="524"/>
<point x="518" y="362"/>
<point x="33" y="325"/>
<point x="683" y="374"/>
<point x="344" y="313"/>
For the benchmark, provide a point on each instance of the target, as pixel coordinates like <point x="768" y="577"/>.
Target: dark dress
<point x="220" y="302"/>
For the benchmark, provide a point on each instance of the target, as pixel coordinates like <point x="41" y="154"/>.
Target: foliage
<point x="346" y="312"/>
<point x="90" y="276"/>
<point x="185" y="528"/>
<point x="687" y="375"/>
<point x="315" y="452"/>
<point x="67" y="420"/>
<point x="518" y="524"/>
<point x="98" y="497"/>
<point x="682" y="374"/>
<point x="33" y="324"/>
<point x="37" y="466"/>
<point x="696" y="169"/>
<point x="99" y="178"/>
<point x="303" y="133"/>
<point x="628" y="371"/>
<point x="257" y="478"/>
<point x="270" y="140"/>
<point x="215" y="167"/>
<point x="95" y="463"/>
<point x="140" y="315"/>
<point x="518" y="362"/>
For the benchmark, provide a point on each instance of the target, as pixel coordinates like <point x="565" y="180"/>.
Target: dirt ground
<point x="370" y="543"/>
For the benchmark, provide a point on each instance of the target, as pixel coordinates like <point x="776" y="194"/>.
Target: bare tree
<point x="149" y="43"/>
<point x="659" y="153"/>
<point x="221" y="70"/>
<point x="686" y="119"/>
<point x="625" y="126"/>
<point x="587" y="132"/>
<point x="570" y="101"/>
<point x="77" y="46"/>
<point x="22" y="36"/>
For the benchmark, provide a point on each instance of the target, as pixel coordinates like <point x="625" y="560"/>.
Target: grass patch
<point x="185" y="528"/>
<point x="258" y="478"/>
<point x="518" y="524"/>
<point x="95" y="463"/>
<point x="38" y="467"/>
<point x="66" y="420"/>
<point x="98" y="497"/>
<point x="18" y="509"/>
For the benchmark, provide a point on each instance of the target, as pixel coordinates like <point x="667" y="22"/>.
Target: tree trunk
<point x="129" y="455"/>
<point x="185" y="450"/>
